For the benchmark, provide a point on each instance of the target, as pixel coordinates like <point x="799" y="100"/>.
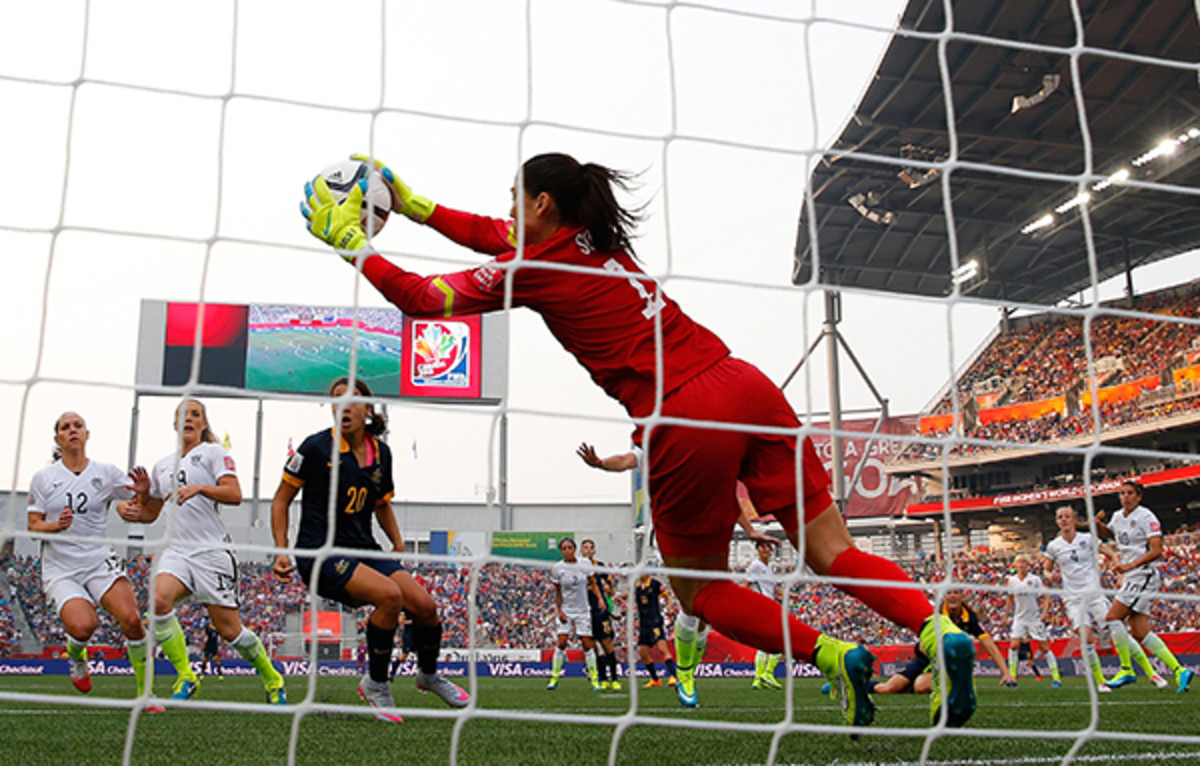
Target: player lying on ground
<point x="568" y="255"/>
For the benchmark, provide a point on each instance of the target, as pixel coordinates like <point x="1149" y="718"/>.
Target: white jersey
<point x="762" y="579"/>
<point x="572" y="579"/>
<point x="198" y="520"/>
<point x="1025" y="593"/>
<point x="87" y="494"/>
<point x="1133" y="533"/>
<point x="1077" y="562"/>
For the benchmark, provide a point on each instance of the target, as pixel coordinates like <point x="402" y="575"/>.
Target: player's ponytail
<point x="376" y="423"/>
<point x="584" y="197"/>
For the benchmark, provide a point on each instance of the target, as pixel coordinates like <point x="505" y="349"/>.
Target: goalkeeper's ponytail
<point x="584" y="197"/>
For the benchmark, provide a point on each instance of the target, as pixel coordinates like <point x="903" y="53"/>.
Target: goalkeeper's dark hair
<point x="376" y="424"/>
<point x="584" y="196"/>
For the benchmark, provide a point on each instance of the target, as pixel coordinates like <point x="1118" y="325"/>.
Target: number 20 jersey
<point x="87" y="495"/>
<point x="359" y="489"/>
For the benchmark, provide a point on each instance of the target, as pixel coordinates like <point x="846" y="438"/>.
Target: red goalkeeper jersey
<point x="605" y="318"/>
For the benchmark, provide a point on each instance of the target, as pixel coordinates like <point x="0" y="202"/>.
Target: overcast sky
<point x="155" y="157"/>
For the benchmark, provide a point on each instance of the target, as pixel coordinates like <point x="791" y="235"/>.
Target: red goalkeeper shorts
<point x="693" y="472"/>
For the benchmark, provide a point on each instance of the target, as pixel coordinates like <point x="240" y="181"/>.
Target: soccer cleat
<point x="277" y="695"/>
<point x="185" y="688"/>
<point x="1010" y="684"/>
<point x="826" y="687"/>
<point x="771" y="683"/>
<point x="757" y="684"/>
<point x="81" y="677"/>
<point x="1103" y="688"/>
<point x="451" y="693"/>
<point x="958" y="665"/>
<point x="848" y="668"/>
<point x="653" y="683"/>
<point x="1183" y="677"/>
<point x="672" y="680"/>
<point x="1124" y="678"/>
<point x="1056" y="684"/>
<point x="597" y="686"/>
<point x="379" y="696"/>
<point x="552" y="684"/>
<point x="155" y="709"/>
<point x="614" y="686"/>
<point x="1158" y="681"/>
<point x="685" y="689"/>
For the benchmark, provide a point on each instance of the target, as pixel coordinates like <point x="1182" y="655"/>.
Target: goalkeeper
<point x="567" y="254"/>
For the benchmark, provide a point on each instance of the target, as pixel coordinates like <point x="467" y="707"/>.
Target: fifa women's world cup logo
<point x="440" y="353"/>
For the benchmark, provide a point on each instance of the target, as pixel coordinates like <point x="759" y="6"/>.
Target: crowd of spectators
<point x="1048" y="357"/>
<point x="514" y="604"/>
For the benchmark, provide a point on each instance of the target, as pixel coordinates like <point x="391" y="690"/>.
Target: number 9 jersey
<point x="359" y="490"/>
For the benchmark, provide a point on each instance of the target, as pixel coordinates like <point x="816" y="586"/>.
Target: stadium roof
<point x="881" y="220"/>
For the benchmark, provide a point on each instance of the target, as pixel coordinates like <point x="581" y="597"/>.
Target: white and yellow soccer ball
<point x="377" y="199"/>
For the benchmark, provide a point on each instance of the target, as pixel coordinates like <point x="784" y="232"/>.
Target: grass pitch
<point x="1137" y="724"/>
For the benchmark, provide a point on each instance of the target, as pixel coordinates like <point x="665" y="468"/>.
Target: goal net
<point x="946" y="225"/>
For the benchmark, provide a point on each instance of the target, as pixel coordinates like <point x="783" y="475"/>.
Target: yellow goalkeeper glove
<point x="414" y="206"/>
<point x="335" y="223"/>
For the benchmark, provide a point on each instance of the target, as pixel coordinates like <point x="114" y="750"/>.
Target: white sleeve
<point x="220" y="462"/>
<point x="36" y="503"/>
<point x="116" y="481"/>
<point x="156" y="491"/>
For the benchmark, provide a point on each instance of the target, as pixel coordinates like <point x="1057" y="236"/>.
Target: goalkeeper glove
<point x="335" y="223"/>
<point x="414" y="206"/>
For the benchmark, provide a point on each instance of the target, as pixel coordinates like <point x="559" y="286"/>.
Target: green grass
<point x="68" y="732"/>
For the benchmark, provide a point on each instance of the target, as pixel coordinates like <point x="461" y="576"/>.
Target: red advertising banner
<point x="1023" y="411"/>
<point x="932" y="424"/>
<point x="442" y="357"/>
<point x="1185" y="373"/>
<point x="876" y="493"/>
<point x="1056" y="494"/>
<point x="1121" y="393"/>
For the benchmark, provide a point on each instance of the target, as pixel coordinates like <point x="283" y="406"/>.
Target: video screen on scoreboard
<point x="301" y="349"/>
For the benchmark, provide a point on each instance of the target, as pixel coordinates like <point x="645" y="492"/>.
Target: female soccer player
<point x="573" y="582"/>
<point x="602" y="622"/>
<point x="71" y="496"/>
<point x="1026" y="602"/>
<point x="651" y="637"/>
<point x="364" y="490"/>
<point x="1139" y="540"/>
<point x="568" y="256"/>
<point x="198" y="560"/>
<point x="762" y="580"/>
<point x="1074" y="552"/>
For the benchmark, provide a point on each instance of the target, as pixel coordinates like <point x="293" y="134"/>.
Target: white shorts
<point x="209" y="573"/>
<point x="1089" y="611"/>
<point x="1137" y="592"/>
<point x="1033" y="629"/>
<point x="89" y="584"/>
<point x="579" y="624"/>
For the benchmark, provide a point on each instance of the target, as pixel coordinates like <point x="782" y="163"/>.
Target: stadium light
<point x="1082" y="198"/>
<point x="1119" y="177"/>
<point x="1041" y="223"/>
<point x="1050" y="83"/>
<point x="916" y="179"/>
<point x="965" y="272"/>
<point x="865" y="203"/>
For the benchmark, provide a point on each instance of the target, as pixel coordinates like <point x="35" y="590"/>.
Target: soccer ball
<point x="377" y="200"/>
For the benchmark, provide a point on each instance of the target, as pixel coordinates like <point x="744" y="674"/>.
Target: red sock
<point x="752" y="619"/>
<point x="905" y="606"/>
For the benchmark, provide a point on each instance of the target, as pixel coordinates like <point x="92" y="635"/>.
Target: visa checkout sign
<point x="300" y="349"/>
